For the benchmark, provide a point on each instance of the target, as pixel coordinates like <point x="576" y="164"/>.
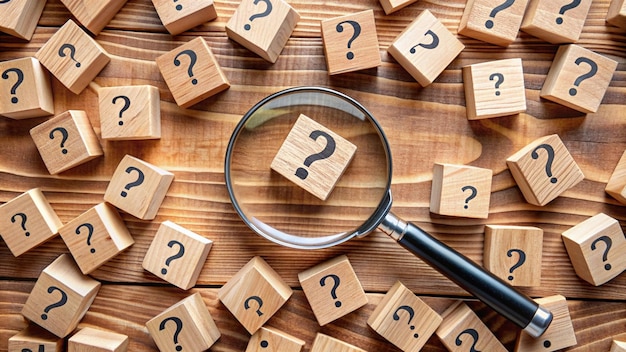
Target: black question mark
<point x="592" y="72"/>
<point x="64" y="136"/>
<point x="472" y="196"/>
<point x="565" y="8"/>
<point x="178" y="7"/>
<point x="72" y="51"/>
<point x="4" y="1"/>
<point x="268" y="10"/>
<point x="432" y="45"/>
<point x="20" y="79"/>
<point x="23" y="222"/>
<point x="500" y="79"/>
<point x="473" y="333"/>
<point x="179" y="327"/>
<point x="41" y="348"/>
<point x="520" y="261"/>
<point x="60" y="303"/>
<point x="139" y="181"/>
<point x="357" y="31"/>
<point x="494" y="12"/>
<point x="181" y="252"/>
<point x="192" y="62"/>
<point x="333" y="291"/>
<point x="259" y="301"/>
<point x="126" y="106"/>
<point x="411" y="313"/>
<point x="324" y="154"/>
<point x="89" y="228"/>
<point x="550" y="152"/>
<point x="607" y="240"/>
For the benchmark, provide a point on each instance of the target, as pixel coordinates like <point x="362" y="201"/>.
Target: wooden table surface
<point x="424" y="125"/>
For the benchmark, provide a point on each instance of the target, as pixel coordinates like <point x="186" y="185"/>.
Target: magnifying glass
<point x="285" y="213"/>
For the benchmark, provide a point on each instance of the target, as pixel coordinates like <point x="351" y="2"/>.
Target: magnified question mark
<point x="494" y="12"/>
<point x="357" y="31"/>
<point x="57" y="304"/>
<point x="20" y="79"/>
<point x="181" y="252"/>
<point x="432" y="45"/>
<point x="258" y="300"/>
<point x="474" y="335"/>
<point x="64" y="136"/>
<point x="609" y="242"/>
<point x="571" y="5"/>
<point x="592" y="72"/>
<point x="179" y="328"/>
<point x="124" y="108"/>
<point x="548" y="148"/>
<point x="472" y="196"/>
<point x="520" y="261"/>
<point x="71" y="49"/>
<point x="89" y="228"/>
<point x="192" y="62"/>
<point x="333" y="291"/>
<point x="411" y="313"/>
<point x="499" y="81"/>
<point x="329" y="149"/>
<point x="268" y="10"/>
<point x="23" y="222"/>
<point x="139" y="181"/>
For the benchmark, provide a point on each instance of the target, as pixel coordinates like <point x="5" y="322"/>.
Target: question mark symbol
<point x="607" y="240"/>
<point x="357" y="31"/>
<point x="4" y="1"/>
<point x="333" y="291"/>
<point x="89" y="228"/>
<point x="500" y="79"/>
<point x="258" y="300"/>
<point x="520" y="261"/>
<point x="20" y="79"/>
<point x="565" y="8"/>
<point x="24" y="218"/>
<point x="179" y="327"/>
<point x="181" y="252"/>
<point x="41" y="348"/>
<point x="432" y="45"/>
<point x="329" y="149"/>
<point x="72" y="51"/>
<point x="411" y="312"/>
<point x="494" y="12"/>
<point x="139" y="181"/>
<point x="126" y="106"/>
<point x="192" y="61"/>
<point x="550" y="152"/>
<point x="472" y="196"/>
<point x="178" y="7"/>
<point x="60" y="303"/>
<point x="268" y="10"/>
<point x="473" y="333"/>
<point x="592" y="72"/>
<point x="64" y="136"/>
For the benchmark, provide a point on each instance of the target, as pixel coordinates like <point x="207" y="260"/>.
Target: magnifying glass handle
<point x="491" y="290"/>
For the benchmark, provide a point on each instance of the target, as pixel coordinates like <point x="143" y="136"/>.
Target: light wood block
<point x="494" y="88"/>
<point x="178" y="17"/>
<point x="263" y="26"/>
<point x="185" y="326"/>
<point x="138" y="187"/>
<point x="25" y="89"/>
<point x="332" y="289"/>
<point x="351" y="42"/>
<point x="66" y="141"/>
<point x="27" y="221"/>
<point x="618" y="346"/>
<point x="94" y="15"/>
<point x="555" y="22"/>
<point x="192" y="72"/>
<point x="617" y="13"/>
<point x="404" y="319"/>
<point x="19" y="17"/>
<point x="461" y="190"/>
<point x="130" y="112"/>
<point x="513" y="253"/>
<point x="544" y="169"/>
<point x="325" y="343"/>
<point x="578" y="78"/>
<point x="596" y="249"/>
<point x="254" y="294"/>
<point x="560" y="334"/>
<point x="493" y="21"/>
<point x="96" y="340"/>
<point x="177" y="255"/>
<point x="35" y="339"/>
<point x="425" y="48"/>
<point x="96" y="236"/>
<point x="391" y="6"/>
<point x="73" y="57"/>
<point x="616" y="186"/>
<point x="311" y="162"/>
<point x="61" y="297"/>
<point x="272" y="340"/>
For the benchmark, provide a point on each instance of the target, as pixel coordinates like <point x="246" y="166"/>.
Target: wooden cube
<point x="493" y="21"/>
<point x="35" y="339"/>
<point x="351" y="42"/>
<point x="192" y="72"/>
<point x="311" y="162"/>
<point x="254" y="294"/>
<point x="96" y="340"/>
<point x="618" y="346"/>
<point x="461" y="328"/>
<point x="556" y="22"/>
<point x="138" y="187"/>
<point x="94" y="15"/>
<point x="73" y="57"/>
<point x="178" y="17"/>
<point x="494" y="88"/>
<point x="185" y="326"/>
<point x="130" y="112"/>
<point x="391" y="6"/>
<point x="332" y="289"/>
<point x="325" y="343"/>
<point x="461" y="190"/>
<point x="425" y="48"/>
<point x="177" y="255"/>
<point x="61" y="297"/>
<point x="25" y="89"/>
<point x="19" y="17"/>
<point x="578" y="78"/>
<point x="513" y="253"/>
<point x="27" y="221"/>
<point x="263" y="27"/>
<point x="272" y="340"/>
<point x="66" y="141"/>
<point x="96" y="236"/>
<point x="560" y="334"/>
<point x="544" y="169"/>
<point x="617" y="13"/>
<point x="404" y="319"/>
<point x="616" y="186"/>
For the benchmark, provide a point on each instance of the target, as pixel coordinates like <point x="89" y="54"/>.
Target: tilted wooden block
<point x="96" y="340"/>
<point x="493" y="21"/>
<point x="391" y="6"/>
<point x="25" y="89"/>
<point x="461" y="190"/>
<point x="35" y="339"/>
<point x="617" y="13"/>
<point x="19" y="17"/>
<point x="325" y="343"/>
<point x="560" y="334"/>
<point x="130" y="112"/>
<point x="272" y="340"/>
<point x="616" y="186"/>
<point x="178" y="17"/>
<point x="94" y="15"/>
<point x="556" y="22"/>
<point x="618" y="346"/>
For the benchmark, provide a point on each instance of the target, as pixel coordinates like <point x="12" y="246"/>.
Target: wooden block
<point x="325" y="343"/>
<point x="616" y="186"/>
<point x="617" y="13"/>
<point x="73" y="57"/>
<point x="254" y="294"/>
<point x="332" y="289"/>
<point x="19" y="17"/>
<point x="404" y="319"/>
<point x="461" y="190"/>
<point x="272" y="340"/>
<point x="556" y="22"/>
<point x="61" y="297"/>
<point x="177" y="255"/>
<point x="96" y="236"/>
<point x="94" y="15"/>
<point x="544" y="169"/>
<point x="618" y="346"/>
<point x="138" y="187"/>
<point x="560" y="334"/>
<point x="578" y="78"/>
<point x="192" y="72"/>
<point x="185" y="326"/>
<point x="425" y="48"/>
<point x="263" y="28"/>
<point x="462" y="330"/>
<point x="493" y="21"/>
<point x="391" y="6"/>
<point x="178" y="17"/>
<point x="66" y="141"/>
<point x="351" y="42"/>
<point x="35" y="339"/>
<point x="130" y="112"/>
<point x="96" y="340"/>
<point x="494" y="88"/>
<point x="595" y="248"/>
<point x="513" y="253"/>
<point x="311" y="162"/>
<point x="27" y="221"/>
<point x="25" y="89"/>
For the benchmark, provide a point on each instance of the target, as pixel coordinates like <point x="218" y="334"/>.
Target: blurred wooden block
<point x="27" y="221"/>
<point x="66" y="141"/>
<point x="303" y="147"/>
<point x="617" y="13"/>
<point x="263" y="28"/>
<point x="461" y="190"/>
<point x="138" y="187"/>
<point x="618" y="346"/>
<point x="19" y="17"/>
<point x="96" y="236"/>
<point x="178" y="17"/>
<point x="616" y="186"/>
<point x="73" y="57"/>
<point x="96" y="340"/>
<point x="130" y="112"/>
<point x="493" y="21"/>
<point x="391" y="6"/>
<point x="177" y="255"/>
<point x="404" y="319"/>
<point x="556" y="22"/>
<point x="578" y="78"/>
<point x="332" y="289"/>
<point x="513" y="253"/>
<point x="272" y="340"/>
<point x="425" y="48"/>
<point x="560" y="334"/>
<point x="61" y="297"/>
<point x="494" y="88"/>
<point x="254" y="294"/>
<point x="94" y="15"/>
<point x="351" y="42"/>
<point x="35" y="339"/>
<point x="25" y="89"/>
<point x="192" y="72"/>
<point x="325" y="343"/>
<point x="544" y="169"/>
